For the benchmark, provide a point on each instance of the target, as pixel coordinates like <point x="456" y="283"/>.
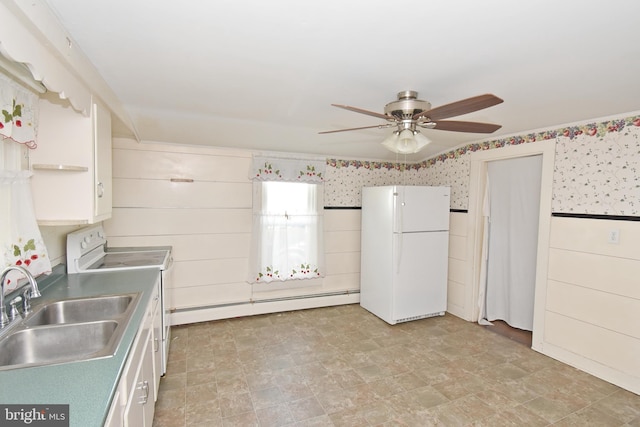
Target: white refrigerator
<point x="405" y="252"/>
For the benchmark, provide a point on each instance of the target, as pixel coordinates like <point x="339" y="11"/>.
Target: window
<point x="287" y="239"/>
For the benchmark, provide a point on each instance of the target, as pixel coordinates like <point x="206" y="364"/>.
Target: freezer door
<point x="420" y="208"/>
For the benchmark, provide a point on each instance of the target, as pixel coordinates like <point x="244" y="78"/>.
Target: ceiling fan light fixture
<point x="391" y="141"/>
<point x="406" y="142"/>
<point x="421" y="140"/>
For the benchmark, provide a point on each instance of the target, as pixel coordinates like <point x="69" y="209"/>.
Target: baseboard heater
<point x="265" y="300"/>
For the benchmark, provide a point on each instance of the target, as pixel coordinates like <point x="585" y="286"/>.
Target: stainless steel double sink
<point x="68" y="330"/>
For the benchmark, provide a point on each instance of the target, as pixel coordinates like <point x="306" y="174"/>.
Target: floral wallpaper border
<point x="608" y="147"/>
<point x="373" y="165"/>
<point x="591" y="129"/>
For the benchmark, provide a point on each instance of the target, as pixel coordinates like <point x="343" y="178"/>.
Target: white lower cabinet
<point x="140" y="405"/>
<point x="134" y="402"/>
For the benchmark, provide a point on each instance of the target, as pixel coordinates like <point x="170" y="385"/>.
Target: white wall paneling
<point x="593" y="298"/>
<point x="204" y="272"/>
<point x="589" y="345"/>
<point x="340" y="241"/>
<point x="600" y="308"/>
<point x="342" y="220"/>
<point x="143" y="221"/>
<point x="163" y="162"/>
<point x="193" y="246"/>
<point x="457" y="273"/>
<point x="167" y="194"/>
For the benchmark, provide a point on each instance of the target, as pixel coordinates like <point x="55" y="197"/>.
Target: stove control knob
<point x="83" y="245"/>
<point x="87" y="239"/>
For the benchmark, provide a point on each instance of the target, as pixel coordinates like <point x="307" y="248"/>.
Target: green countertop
<point x="87" y="386"/>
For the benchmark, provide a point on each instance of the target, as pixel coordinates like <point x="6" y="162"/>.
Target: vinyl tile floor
<point x="342" y="366"/>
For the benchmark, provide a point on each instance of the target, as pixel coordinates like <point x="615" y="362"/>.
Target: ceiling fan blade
<point x="367" y="112"/>
<point x="460" y="126"/>
<point x="364" y="127"/>
<point x="461" y="107"/>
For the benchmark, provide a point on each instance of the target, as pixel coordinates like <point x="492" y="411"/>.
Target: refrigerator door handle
<point x="398" y="252"/>
<point x="398" y="207"/>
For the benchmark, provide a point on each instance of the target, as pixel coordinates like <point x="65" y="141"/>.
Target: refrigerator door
<point x="420" y="208"/>
<point x="419" y="275"/>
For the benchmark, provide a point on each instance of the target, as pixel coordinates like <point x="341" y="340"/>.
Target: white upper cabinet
<point x="71" y="166"/>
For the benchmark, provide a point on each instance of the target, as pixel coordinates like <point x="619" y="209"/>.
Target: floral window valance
<point x="18" y="112"/>
<point x="286" y="169"/>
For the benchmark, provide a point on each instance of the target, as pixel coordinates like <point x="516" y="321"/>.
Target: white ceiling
<point x="262" y="74"/>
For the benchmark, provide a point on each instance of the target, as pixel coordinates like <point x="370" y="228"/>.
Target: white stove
<point x="87" y="252"/>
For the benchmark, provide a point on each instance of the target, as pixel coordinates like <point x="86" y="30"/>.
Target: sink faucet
<point x="35" y="292"/>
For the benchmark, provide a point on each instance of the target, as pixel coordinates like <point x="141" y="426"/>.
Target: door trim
<point x="477" y="184"/>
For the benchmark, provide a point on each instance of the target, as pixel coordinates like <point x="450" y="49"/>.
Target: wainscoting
<point x="593" y="298"/>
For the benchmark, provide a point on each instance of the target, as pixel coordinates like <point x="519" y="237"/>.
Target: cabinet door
<point x="62" y="165"/>
<point x="148" y="392"/>
<point x="141" y="405"/>
<point x="71" y="181"/>
<point x="116" y="412"/>
<point x="103" y="175"/>
<point x="134" y="412"/>
<point x="141" y="395"/>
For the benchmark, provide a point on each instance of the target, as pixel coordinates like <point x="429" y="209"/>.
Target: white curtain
<point x="287" y="242"/>
<point x="482" y="295"/>
<point x="514" y="206"/>
<point x="22" y="242"/>
<point x="288" y="212"/>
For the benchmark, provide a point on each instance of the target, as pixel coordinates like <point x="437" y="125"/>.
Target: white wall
<point x="592" y="313"/>
<point x="55" y="239"/>
<point x="208" y="223"/>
